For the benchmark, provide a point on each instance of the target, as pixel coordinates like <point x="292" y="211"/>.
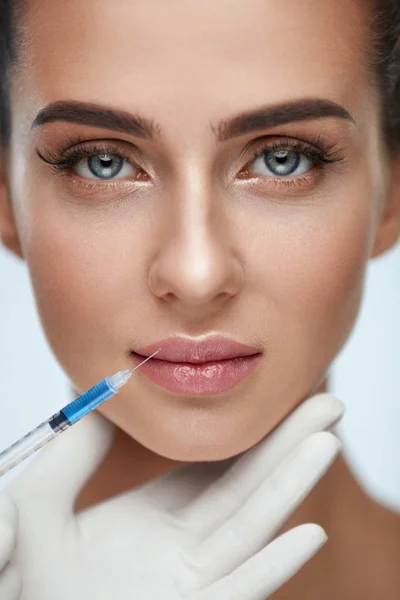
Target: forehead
<point x="184" y="57"/>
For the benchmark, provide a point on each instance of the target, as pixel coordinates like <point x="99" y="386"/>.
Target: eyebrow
<point x="279" y="114"/>
<point x="96" y="115"/>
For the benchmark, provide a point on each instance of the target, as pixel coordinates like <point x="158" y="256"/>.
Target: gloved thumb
<point x="65" y="464"/>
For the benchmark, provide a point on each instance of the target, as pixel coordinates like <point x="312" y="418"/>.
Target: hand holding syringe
<point x="70" y="414"/>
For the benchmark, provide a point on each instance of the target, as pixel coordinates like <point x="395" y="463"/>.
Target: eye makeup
<point x="320" y="151"/>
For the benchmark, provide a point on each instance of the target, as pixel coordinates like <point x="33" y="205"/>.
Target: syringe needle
<point x="148" y="358"/>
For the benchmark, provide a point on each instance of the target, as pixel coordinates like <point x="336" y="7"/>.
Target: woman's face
<point x="195" y="231"/>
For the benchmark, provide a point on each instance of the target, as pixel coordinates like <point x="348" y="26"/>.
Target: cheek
<point x="86" y="274"/>
<point x="314" y="288"/>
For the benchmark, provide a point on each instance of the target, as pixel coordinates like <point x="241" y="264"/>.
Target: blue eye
<point x="104" y="166"/>
<point x="282" y="163"/>
<point x="94" y="163"/>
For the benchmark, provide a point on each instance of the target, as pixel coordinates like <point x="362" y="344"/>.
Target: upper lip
<point x="183" y="349"/>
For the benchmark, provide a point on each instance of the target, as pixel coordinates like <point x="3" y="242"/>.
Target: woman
<point x="180" y="170"/>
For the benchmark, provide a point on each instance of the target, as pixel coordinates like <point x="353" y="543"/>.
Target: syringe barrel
<point x="25" y="446"/>
<point x="89" y="400"/>
<point x="66" y="417"/>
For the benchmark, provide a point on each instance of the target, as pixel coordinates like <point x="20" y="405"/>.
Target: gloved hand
<point x="10" y="581"/>
<point x="201" y="532"/>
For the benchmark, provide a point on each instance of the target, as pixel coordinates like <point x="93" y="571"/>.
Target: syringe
<point x="67" y="416"/>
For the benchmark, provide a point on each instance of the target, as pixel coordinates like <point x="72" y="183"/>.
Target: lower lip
<point x="198" y="379"/>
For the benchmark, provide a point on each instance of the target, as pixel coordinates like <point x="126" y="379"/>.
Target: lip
<point x="180" y="349"/>
<point x="198" y="368"/>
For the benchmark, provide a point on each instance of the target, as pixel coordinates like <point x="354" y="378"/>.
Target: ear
<point x="8" y="229"/>
<point x="388" y="233"/>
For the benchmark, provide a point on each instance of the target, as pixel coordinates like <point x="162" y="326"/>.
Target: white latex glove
<point x="201" y="532"/>
<point x="10" y="581"/>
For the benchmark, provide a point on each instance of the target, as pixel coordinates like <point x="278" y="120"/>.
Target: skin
<point x="221" y="249"/>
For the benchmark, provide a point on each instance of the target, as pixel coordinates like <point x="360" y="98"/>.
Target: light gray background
<point x="366" y="374"/>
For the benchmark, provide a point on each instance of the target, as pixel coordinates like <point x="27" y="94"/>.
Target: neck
<point x="363" y="539"/>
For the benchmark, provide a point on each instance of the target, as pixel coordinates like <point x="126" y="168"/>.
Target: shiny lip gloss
<point x="198" y="368"/>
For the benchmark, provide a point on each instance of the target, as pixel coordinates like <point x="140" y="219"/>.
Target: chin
<point x="198" y="445"/>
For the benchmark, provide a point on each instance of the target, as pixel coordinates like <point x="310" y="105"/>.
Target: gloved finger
<point x="266" y="510"/>
<point x="227" y="493"/>
<point x="8" y="529"/>
<point x="263" y="574"/>
<point x="64" y="465"/>
<point x="10" y="583"/>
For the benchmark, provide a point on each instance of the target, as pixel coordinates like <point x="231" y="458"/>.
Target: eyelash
<point x="60" y="164"/>
<point x="321" y="152"/>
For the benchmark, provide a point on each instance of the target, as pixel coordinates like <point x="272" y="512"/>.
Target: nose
<point x="197" y="267"/>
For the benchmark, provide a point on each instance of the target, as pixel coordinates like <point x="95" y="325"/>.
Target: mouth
<point x="198" y="368"/>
